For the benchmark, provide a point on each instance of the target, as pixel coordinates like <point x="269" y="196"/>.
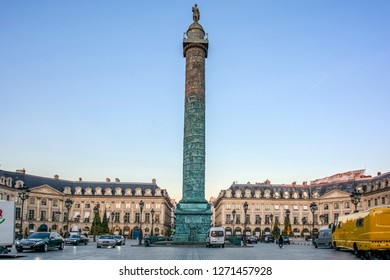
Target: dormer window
<point x="118" y="191"/>
<point x="286" y="195"/>
<point x="128" y="192"/>
<point x="108" y="191"/>
<point x="138" y="191"/>
<point x="98" y="191"/>
<point x="267" y="193"/>
<point x="276" y="195"/>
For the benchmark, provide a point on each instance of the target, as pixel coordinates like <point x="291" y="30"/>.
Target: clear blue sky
<point x="295" y="90"/>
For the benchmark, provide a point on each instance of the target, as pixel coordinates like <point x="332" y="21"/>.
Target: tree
<point x="96" y="224"/>
<point x="276" y="230"/>
<point x="105" y="228"/>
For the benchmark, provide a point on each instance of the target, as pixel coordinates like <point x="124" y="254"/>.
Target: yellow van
<point x="367" y="233"/>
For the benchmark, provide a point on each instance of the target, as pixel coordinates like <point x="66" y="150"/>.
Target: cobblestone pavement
<point x="131" y="251"/>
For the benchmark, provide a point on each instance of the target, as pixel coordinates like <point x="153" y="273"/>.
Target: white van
<point x="215" y="237"/>
<point x="324" y="238"/>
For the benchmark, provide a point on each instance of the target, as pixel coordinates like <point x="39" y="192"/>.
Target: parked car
<point x="252" y="239"/>
<point x="286" y="239"/>
<point x="120" y="240"/>
<point x="267" y="238"/>
<point x="76" y="239"/>
<point x="41" y="241"/>
<point x="106" y="241"/>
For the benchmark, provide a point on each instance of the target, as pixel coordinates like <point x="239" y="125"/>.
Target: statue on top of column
<point x="195" y="13"/>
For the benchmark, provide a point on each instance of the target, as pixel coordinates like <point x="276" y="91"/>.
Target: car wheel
<point x="61" y="246"/>
<point x="19" y="250"/>
<point x="45" y="247"/>
<point x="97" y="246"/>
<point x="113" y="246"/>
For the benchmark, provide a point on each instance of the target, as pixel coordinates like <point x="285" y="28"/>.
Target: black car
<point x="252" y="239"/>
<point x="286" y="240"/>
<point x="267" y="238"/>
<point x="76" y="239"/>
<point x="41" y="241"/>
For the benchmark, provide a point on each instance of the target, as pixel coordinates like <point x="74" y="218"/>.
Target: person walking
<point x="280" y="241"/>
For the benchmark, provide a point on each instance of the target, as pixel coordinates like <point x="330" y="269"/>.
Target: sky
<point x="295" y="90"/>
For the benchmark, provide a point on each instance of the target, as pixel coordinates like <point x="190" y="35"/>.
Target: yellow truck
<point x="367" y="233"/>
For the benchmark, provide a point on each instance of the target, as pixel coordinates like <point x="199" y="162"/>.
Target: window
<point x="228" y="206"/>
<point x="157" y="218"/>
<point x="296" y="208"/>
<point x="369" y="203"/>
<point x="267" y="207"/>
<point x="55" y="202"/>
<point x="43" y="215"/>
<point x="238" y="219"/>
<point x="77" y="205"/>
<point x="147" y="217"/>
<point x="360" y="222"/>
<point x="32" y="201"/>
<point x="228" y="219"/>
<point x="383" y="201"/>
<point x="87" y="205"/>
<point x="17" y="213"/>
<point x="128" y="205"/>
<point x="336" y="216"/>
<point x="276" y="219"/>
<point x="257" y="206"/>
<point x="276" y="207"/>
<point x="116" y="218"/>
<point x="137" y="217"/>
<point x="376" y="202"/>
<point x="117" y="205"/>
<point x="158" y="206"/>
<point x="305" y="208"/>
<point x="336" y="206"/>
<point x="326" y="219"/>
<point x="346" y="205"/>
<point x="326" y="206"/>
<point x="127" y="218"/>
<point x="296" y="220"/>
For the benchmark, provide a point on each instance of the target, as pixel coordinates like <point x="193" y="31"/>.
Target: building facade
<point x="280" y="204"/>
<point x="44" y="205"/>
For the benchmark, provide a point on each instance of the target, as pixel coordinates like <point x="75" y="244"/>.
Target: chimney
<point x="21" y="171"/>
<point x="304" y="183"/>
<point x="154" y="181"/>
<point x="379" y="173"/>
<point x="267" y="182"/>
<point x="117" y="180"/>
<point x="80" y="179"/>
<point x="294" y="183"/>
<point x="108" y="180"/>
<point x="56" y="177"/>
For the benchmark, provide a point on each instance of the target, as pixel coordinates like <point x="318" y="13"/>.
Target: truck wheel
<point x="19" y="250"/>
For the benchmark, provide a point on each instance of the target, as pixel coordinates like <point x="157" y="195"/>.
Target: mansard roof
<point x="32" y="181"/>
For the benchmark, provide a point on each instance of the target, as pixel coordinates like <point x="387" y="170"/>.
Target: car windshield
<point x="39" y="235"/>
<point x="106" y="237"/>
<point x="74" y="236"/>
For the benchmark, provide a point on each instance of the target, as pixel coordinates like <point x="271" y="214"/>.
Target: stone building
<point x="272" y="203"/>
<point x="44" y="208"/>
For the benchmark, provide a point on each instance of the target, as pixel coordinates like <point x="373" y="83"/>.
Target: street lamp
<point x="141" y="207"/>
<point x="313" y="209"/>
<point x="112" y="222"/>
<point x="245" y="221"/>
<point x="95" y="212"/>
<point x="23" y="195"/>
<point x="234" y="218"/>
<point x="152" y="221"/>
<point x="355" y="197"/>
<point x="271" y="217"/>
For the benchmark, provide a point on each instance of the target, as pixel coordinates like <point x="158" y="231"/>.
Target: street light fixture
<point x="23" y="195"/>
<point x="152" y="221"/>
<point x="313" y="209"/>
<point x="68" y="205"/>
<point x="234" y="218"/>
<point x="245" y="221"/>
<point x="141" y="207"/>
<point x="355" y="197"/>
<point x="95" y="212"/>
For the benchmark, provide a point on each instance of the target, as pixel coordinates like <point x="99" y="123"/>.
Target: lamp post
<point x="23" y="195"/>
<point x="234" y="218"/>
<point x="355" y="198"/>
<point x="95" y="212"/>
<point x="313" y="209"/>
<point x="68" y="205"/>
<point x="141" y="207"/>
<point x="152" y="221"/>
<point x="271" y="217"/>
<point x="112" y="222"/>
<point x="245" y="221"/>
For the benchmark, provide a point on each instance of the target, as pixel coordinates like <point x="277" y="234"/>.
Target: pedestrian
<point x="280" y="241"/>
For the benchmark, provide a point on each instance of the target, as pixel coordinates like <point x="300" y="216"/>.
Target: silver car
<point x="106" y="241"/>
